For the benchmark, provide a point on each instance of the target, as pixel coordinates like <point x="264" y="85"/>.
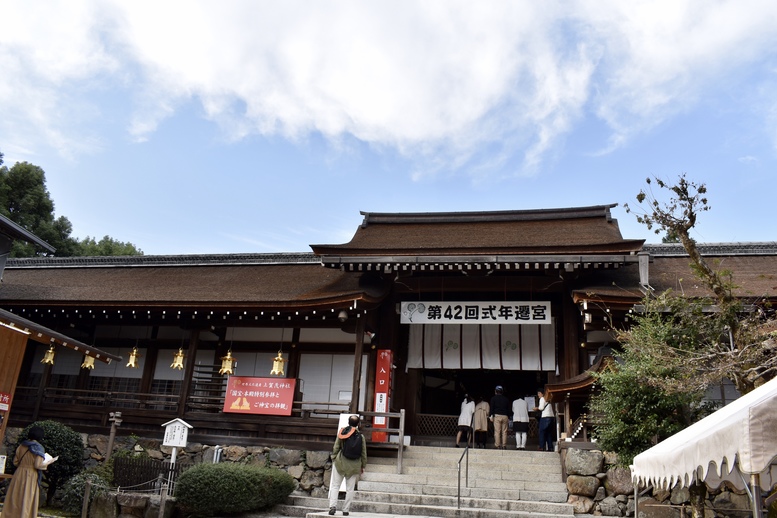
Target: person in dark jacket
<point x="345" y="468"/>
<point x="500" y="415"/>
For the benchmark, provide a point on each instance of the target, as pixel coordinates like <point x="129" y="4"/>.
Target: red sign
<point x="382" y="390"/>
<point x="271" y="396"/>
<point x="5" y="401"/>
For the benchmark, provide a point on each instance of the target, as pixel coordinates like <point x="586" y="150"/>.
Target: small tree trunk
<point x="698" y="492"/>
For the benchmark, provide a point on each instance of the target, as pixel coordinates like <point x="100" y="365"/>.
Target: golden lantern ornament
<point x="48" y="356"/>
<point x="177" y="360"/>
<point x="226" y="363"/>
<point x="88" y="362"/>
<point x="277" y="365"/>
<point x="133" y="358"/>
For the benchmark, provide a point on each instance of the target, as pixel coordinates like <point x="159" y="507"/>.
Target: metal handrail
<point x="465" y="453"/>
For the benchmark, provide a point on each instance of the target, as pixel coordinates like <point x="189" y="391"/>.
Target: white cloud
<point x="749" y="160"/>
<point x="439" y="80"/>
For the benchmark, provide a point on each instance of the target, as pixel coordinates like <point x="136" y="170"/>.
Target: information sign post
<point x="176" y="435"/>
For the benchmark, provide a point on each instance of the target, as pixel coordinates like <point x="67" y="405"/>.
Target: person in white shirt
<point x="520" y="422"/>
<point x="465" y="420"/>
<point x="547" y="418"/>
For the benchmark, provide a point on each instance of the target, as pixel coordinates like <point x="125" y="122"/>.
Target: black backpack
<point x="352" y="446"/>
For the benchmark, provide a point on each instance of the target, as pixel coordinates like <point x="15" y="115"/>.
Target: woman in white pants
<point x="520" y="422"/>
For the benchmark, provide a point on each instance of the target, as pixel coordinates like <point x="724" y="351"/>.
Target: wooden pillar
<point x="186" y="385"/>
<point x="357" y="366"/>
<point x="292" y="368"/>
<point x="13" y="343"/>
<point x="44" y="382"/>
<point x="571" y="345"/>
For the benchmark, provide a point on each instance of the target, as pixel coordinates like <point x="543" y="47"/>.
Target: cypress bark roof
<point x="753" y="267"/>
<point x="251" y="280"/>
<point x="581" y="230"/>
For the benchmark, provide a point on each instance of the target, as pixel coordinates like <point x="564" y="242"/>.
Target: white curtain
<point x="529" y="347"/>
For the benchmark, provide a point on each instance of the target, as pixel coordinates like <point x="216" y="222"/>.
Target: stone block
<point x="609" y="507"/>
<point x="584" y="462"/>
<point x="584" y="486"/>
<point x="104" y="506"/>
<point x="619" y="482"/>
<point x="311" y="479"/>
<point x="257" y="459"/>
<point x="99" y="443"/>
<point x="610" y="458"/>
<point x="152" y="509"/>
<point x="284" y="457"/>
<point x="580" y="504"/>
<point x="234" y="453"/>
<point x="679" y="495"/>
<point x="652" y="508"/>
<point x="317" y="459"/>
<point x="296" y="471"/>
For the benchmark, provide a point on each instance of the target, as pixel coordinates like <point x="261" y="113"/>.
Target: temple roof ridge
<point x="712" y="249"/>
<point x="165" y="260"/>
<point x="487" y="216"/>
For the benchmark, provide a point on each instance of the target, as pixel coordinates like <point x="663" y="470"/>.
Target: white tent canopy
<point x="738" y="443"/>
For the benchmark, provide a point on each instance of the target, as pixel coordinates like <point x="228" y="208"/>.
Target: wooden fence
<point x="146" y="475"/>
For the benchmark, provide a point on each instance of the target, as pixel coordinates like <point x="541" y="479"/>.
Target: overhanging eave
<point x="45" y="335"/>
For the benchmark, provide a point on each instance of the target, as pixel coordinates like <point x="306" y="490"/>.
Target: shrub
<point x="73" y="494"/>
<point x="59" y="441"/>
<point x="226" y="488"/>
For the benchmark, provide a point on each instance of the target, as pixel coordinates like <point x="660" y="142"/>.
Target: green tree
<point x="633" y="411"/>
<point x="717" y="337"/>
<point x="678" y="347"/>
<point x="25" y="200"/>
<point x="58" y="441"/>
<point x="107" y="246"/>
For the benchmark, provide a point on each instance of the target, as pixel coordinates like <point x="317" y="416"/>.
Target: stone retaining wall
<point x="311" y="469"/>
<point x="597" y="486"/>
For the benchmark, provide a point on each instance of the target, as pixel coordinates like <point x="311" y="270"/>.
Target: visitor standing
<point x="500" y="415"/>
<point x="482" y="409"/>
<point x="23" y="496"/>
<point x="465" y="420"/>
<point x="520" y="422"/>
<point x="547" y="420"/>
<point x="350" y="459"/>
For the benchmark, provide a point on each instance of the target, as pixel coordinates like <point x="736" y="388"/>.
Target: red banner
<point x="270" y="396"/>
<point x="382" y="390"/>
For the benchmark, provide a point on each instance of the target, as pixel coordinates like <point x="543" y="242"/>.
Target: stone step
<point x="452" y="480"/>
<point x="517" y="472"/>
<point x="440" y="500"/>
<point x="411" y="509"/>
<point x="436" y="451"/>
<point x="474" y="492"/>
<point x="551" y="494"/>
<point x="496" y="483"/>
<point x="501" y="503"/>
<point x="503" y="462"/>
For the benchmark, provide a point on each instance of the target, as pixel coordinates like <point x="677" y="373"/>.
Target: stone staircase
<point x="524" y="484"/>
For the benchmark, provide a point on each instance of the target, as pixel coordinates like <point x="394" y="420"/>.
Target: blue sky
<point x="200" y="127"/>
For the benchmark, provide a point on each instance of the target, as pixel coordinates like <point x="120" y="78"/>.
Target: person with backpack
<point x="349" y="460"/>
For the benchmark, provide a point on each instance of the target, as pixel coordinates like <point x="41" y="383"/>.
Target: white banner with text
<point x="502" y="312"/>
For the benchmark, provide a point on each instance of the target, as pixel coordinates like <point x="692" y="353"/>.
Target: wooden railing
<point x="312" y="424"/>
<point x="438" y="425"/>
<point x="584" y="423"/>
<point x="155" y="401"/>
<point x="398" y="432"/>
